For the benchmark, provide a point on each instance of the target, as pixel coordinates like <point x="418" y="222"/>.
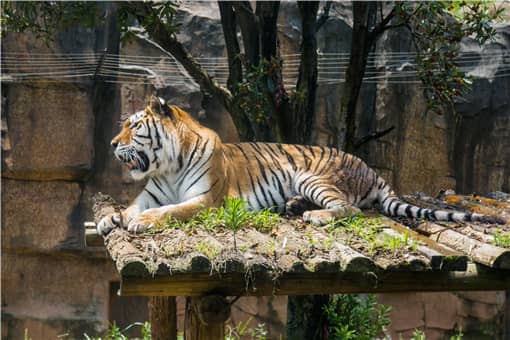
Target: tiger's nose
<point x="114" y="143"/>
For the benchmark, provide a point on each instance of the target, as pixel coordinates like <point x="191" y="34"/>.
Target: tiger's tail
<point x="394" y="206"/>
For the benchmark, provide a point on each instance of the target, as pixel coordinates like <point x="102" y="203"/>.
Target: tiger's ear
<point x="159" y="106"/>
<point x="156" y="104"/>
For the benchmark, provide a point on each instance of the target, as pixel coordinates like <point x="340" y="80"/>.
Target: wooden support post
<point x="162" y="316"/>
<point x="306" y="318"/>
<point x="506" y="330"/>
<point x="205" y="317"/>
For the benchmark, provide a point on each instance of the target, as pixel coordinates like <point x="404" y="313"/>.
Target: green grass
<point x="501" y="239"/>
<point x="358" y="227"/>
<point x="207" y="248"/>
<point x="233" y="215"/>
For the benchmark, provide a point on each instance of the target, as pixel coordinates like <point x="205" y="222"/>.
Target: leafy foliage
<point x="253" y="95"/>
<point x="437" y="28"/>
<point x="359" y="317"/>
<point x="148" y="15"/>
<point x="45" y="18"/>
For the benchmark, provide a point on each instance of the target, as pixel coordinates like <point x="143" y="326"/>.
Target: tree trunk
<point x="228" y="23"/>
<point x="304" y="100"/>
<point x="244" y="126"/>
<point x="267" y="14"/>
<point x="364" y="16"/>
<point x="162" y="316"/>
<point x="248" y="24"/>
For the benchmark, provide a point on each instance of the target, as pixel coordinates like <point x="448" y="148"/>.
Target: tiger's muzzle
<point x="133" y="159"/>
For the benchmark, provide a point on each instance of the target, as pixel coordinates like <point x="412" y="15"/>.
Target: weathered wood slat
<point x="451" y="259"/>
<point x="351" y="260"/>
<point x="469" y="200"/>
<point x="92" y="238"/>
<point x="474" y="278"/>
<point x="479" y="252"/>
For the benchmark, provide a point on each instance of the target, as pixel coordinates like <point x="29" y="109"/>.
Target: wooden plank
<point x="442" y="257"/>
<point x="479" y="252"/>
<point x="92" y="238"/>
<point x="307" y="283"/>
<point x="480" y="204"/>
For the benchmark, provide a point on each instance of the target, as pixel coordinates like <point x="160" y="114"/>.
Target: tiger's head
<point x="148" y="142"/>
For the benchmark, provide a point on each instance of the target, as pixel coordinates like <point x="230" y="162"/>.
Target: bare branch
<point x="382" y="25"/>
<point x="160" y="34"/>
<point x="324" y="16"/>
<point x="372" y="136"/>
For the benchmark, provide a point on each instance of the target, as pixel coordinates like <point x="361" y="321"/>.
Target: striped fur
<point x="189" y="168"/>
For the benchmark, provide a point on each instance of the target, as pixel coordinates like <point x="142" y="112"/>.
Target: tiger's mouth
<point x="140" y="162"/>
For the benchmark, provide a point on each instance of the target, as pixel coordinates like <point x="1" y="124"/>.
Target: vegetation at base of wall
<point x="240" y="331"/>
<point x="115" y="333"/>
<point x="243" y="330"/>
<point x="353" y="316"/>
<point x="420" y="335"/>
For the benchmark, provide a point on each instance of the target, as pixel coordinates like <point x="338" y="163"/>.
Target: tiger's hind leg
<point x="331" y="199"/>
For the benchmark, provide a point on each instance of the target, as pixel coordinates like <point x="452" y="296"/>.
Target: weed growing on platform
<point x="501" y="239"/>
<point x="233" y="215"/>
<point x="356" y="228"/>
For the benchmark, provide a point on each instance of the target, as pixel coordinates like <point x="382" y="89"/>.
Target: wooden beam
<point x="92" y="238"/>
<point x="476" y="277"/>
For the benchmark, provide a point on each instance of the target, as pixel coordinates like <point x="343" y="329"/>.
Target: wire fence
<point x="392" y="67"/>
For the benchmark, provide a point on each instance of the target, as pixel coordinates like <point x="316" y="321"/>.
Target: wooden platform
<point x="294" y="258"/>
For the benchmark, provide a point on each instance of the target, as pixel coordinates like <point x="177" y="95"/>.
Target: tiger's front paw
<point x="147" y="220"/>
<point x="108" y="223"/>
<point x="319" y="217"/>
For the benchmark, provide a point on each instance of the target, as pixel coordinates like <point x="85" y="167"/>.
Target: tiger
<point x="188" y="168"/>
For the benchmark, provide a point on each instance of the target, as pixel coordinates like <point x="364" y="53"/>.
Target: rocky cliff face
<point x="56" y="155"/>
<point x="466" y="150"/>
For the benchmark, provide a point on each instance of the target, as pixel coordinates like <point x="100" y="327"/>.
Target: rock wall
<point x="56" y="155"/>
<point x="51" y="284"/>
